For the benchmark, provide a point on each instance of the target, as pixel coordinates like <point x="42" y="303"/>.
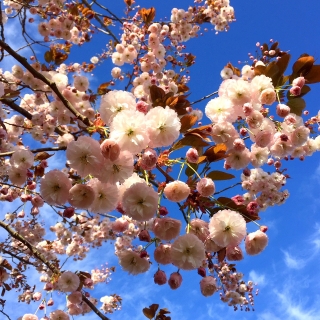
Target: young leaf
<point x="220" y="175"/>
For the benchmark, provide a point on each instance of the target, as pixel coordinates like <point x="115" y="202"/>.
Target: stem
<point x="205" y="97"/>
<point x="9" y="153"/>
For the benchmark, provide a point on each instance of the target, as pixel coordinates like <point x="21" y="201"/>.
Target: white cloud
<point x="292" y="262"/>
<point x="259" y="279"/>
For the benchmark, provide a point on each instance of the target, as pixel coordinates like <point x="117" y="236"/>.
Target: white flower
<point x="163" y="126"/>
<point x="128" y="129"/>
<point x="114" y="102"/>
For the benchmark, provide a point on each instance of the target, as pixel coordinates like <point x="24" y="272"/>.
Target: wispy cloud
<point x="259" y="279"/>
<point x="293" y="262"/>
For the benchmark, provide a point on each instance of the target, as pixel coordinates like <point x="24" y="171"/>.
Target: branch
<point x="168" y="177"/>
<point x="52" y="267"/>
<point x="205" y="97"/>
<point x="27" y="114"/>
<point x="237" y="184"/>
<point x="49" y="83"/>
<point x="9" y="153"/>
<point x="24" y="261"/>
<point x="101" y="22"/>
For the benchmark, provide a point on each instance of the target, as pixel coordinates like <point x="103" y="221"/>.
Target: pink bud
<point x="234" y="253"/>
<point x="238" y="145"/>
<point x="206" y="187"/>
<point x="163" y="211"/>
<point x="144" y="236"/>
<point x="295" y="91"/>
<point x="48" y="286"/>
<point x="247" y="109"/>
<point x="37" y="296"/>
<point x="160" y="278"/>
<point x="256" y="242"/>
<point x="208" y="286"/>
<point x="35" y="211"/>
<point x="202" y="271"/>
<point x="50" y="303"/>
<point x="175" y="280"/>
<point x="148" y="160"/>
<point x="68" y="212"/>
<point x="192" y="155"/>
<point x="264" y="229"/>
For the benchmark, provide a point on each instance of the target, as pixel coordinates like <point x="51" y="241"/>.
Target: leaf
<point x="187" y="121"/>
<point x="303" y="64"/>
<point x="147" y="15"/>
<point x="193" y="140"/>
<point x="220" y="175"/>
<point x="222" y="254"/>
<point x="235" y="70"/>
<point x="157" y="96"/>
<point x="103" y="88"/>
<point x="296" y="105"/>
<point x="42" y="156"/>
<point x="151" y="311"/>
<point x="60" y="57"/>
<point x="6" y="264"/>
<point x="202" y="159"/>
<point x="182" y="88"/>
<point x="48" y="56"/>
<point x="128" y="2"/>
<point x="216" y="153"/>
<point x="283" y="62"/>
<point x="8" y="93"/>
<point x="258" y="70"/>
<point x="189" y="172"/>
<point x="313" y="75"/>
<point x="271" y="69"/>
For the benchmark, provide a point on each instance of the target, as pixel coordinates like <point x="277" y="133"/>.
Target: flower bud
<point x="192" y="155"/>
<point x="282" y="110"/>
<point x="175" y="280"/>
<point x="110" y="149"/>
<point x="160" y="278"/>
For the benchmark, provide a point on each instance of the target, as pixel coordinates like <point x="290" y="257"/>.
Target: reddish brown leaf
<point x="235" y="70"/>
<point x="6" y="264"/>
<point x="193" y="140"/>
<point x="157" y="96"/>
<point x="147" y="15"/>
<point x="187" y="121"/>
<point x="216" y="153"/>
<point x="151" y="311"/>
<point x="103" y="88"/>
<point x="303" y="65"/>
<point x="42" y="156"/>
<point x="128" y="2"/>
<point x="313" y="75"/>
<point x="182" y="88"/>
<point x="222" y="254"/>
<point x="220" y="175"/>
<point x="258" y="70"/>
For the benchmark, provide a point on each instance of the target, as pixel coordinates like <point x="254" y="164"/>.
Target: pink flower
<point x="268" y="96"/>
<point x="81" y="83"/>
<point x="206" y="187"/>
<point x="68" y="282"/>
<point x="59" y="315"/>
<point x="106" y="196"/>
<point x="227" y="228"/>
<point x="220" y="109"/>
<point x="166" y="228"/>
<point x="22" y="159"/>
<point x="282" y="110"/>
<point x="256" y="242"/>
<point x="208" y="286"/>
<point x="162" y="254"/>
<point x="192" y="155"/>
<point x="85" y="156"/>
<point x="54" y="187"/>
<point x="29" y="317"/>
<point x="117" y="170"/>
<point x="238" y="159"/>
<point x="234" y="253"/>
<point x="163" y="126"/>
<point x="17" y="176"/>
<point x="239" y="92"/>
<point x="81" y="196"/>
<point x="211" y="246"/>
<point x="140" y="202"/>
<point x="199" y="228"/>
<point x="132" y="262"/>
<point x="75" y="297"/>
<point x="176" y="191"/>
<point x="300" y="81"/>
<point x="175" y="280"/>
<point x="187" y="252"/>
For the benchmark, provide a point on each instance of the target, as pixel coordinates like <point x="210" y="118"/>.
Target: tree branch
<point x="51" y="84"/>
<point x="205" y="97"/>
<point x="27" y="114"/>
<point x="9" y="153"/>
<point x="52" y="267"/>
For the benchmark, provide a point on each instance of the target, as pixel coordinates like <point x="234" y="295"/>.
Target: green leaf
<point x="220" y="175"/>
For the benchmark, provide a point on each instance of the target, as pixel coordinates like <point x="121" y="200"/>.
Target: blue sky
<point x="287" y="271"/>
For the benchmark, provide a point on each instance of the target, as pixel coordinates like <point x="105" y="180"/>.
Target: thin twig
<point x="205" y="97"/>
<point x="9" y="153"/>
